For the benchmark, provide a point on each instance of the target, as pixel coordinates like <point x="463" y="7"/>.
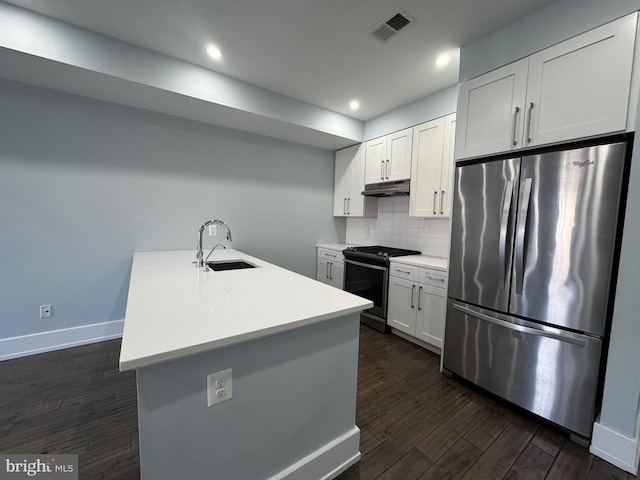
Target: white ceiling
<point x="317" y="51"/>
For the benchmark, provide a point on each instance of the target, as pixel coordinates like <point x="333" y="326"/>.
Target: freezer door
<point x="545" y="370"/>
<point x="483" y="222"/>
<point x="565" y="236"/>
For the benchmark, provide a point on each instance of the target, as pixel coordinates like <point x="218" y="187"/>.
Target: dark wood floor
<point x="415" y="423"/>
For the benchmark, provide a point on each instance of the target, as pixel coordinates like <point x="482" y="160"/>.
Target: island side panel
<point x="294" y="395"/>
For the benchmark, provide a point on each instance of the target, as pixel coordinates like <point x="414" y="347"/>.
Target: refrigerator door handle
<point x="504" y="222"/>
<point x="519" y="328"/>
<point x="521" y="234"/>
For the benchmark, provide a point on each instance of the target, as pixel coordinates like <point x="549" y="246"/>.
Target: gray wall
<point x="438" y="104"/>
<point x="84" y="184"/>
<point x="622" y="383"/>
<point x="553" y="22"/>
<point x="547" y="25"/>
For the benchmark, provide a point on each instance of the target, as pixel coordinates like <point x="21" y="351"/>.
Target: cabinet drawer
<point x="331" y="255"/>
<point x="435" y="278"/>
<point x="401" y="270"/>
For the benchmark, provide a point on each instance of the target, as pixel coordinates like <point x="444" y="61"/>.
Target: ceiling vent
<point x="392" y="24"/>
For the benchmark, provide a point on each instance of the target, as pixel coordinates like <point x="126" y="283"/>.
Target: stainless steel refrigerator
<point x="531" y="261"/>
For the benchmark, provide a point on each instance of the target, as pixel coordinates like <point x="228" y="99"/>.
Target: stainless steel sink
<point x="229" y="265"/>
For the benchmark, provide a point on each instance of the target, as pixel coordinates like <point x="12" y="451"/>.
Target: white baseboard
<point x="41" y="342"/>
<point x="615" y="448"/>
<point x="328" y="461"/>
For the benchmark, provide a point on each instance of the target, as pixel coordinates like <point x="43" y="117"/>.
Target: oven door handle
<point x="366" y="265"/>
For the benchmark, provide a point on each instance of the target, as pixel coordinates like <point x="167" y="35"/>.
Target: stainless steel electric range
<point x="366" y="273"/>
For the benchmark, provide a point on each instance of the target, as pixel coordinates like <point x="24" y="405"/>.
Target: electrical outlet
<point x="46" y="311"/>
<point x="366" y="230"/>
<point x="213" y="230"/>
<point x="219" y="387"/>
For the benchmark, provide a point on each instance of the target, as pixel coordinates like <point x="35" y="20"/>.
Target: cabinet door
<point x="336" y="275"/>
<point x="403" y="298"/>
<point x="399" y="145"/>
<point x="341" y="182"/>
<point x="490" y="109"/>
<point x="446" y="174"/>
<point x="426" y="166"/>
<point x="432" y="312"/>
<point x="355" y="199"/>
<point x="375" y="158"/>
<point x="322" y="271"/>
<point x="580" y="87"/>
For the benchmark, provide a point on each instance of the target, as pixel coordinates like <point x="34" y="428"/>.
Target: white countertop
<point x="175" y="310"/>
<point x="437" y="263"/>
<point x="334" y="246"/>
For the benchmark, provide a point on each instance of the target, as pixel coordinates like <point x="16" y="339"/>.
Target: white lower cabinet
<point x="417" y="307"/>
<point x="432" y="311"/>
<point x="330" y="267"/>
<point x="401" y="313"/>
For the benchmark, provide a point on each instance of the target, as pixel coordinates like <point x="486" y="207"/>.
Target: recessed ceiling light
<point x="214" y="52"/>
<point x="354" y="105"/>
<point x="442" y="60"/>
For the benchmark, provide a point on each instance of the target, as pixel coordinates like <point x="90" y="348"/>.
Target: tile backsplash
<point x="394" y="228"/>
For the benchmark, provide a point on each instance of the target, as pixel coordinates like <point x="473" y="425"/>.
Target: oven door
<point x="368" y="281"/>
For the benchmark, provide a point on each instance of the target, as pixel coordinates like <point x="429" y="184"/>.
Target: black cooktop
<point x="378" y="251"/>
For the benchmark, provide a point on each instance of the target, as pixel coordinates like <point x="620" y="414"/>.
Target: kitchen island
<point x="291" y="344"/>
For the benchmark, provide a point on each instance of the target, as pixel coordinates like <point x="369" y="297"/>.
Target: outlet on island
<point x="219" y="387"/>
<point x="46" y="311"/>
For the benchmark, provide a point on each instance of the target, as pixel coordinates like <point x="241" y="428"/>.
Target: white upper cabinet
<point x="399" y="155"/>
<point x="348" y="200"/>
<point x="342" y="184"/>
<point x="490" y="109"/>
<point x="580" y="87"/>
<point x="388" y="158"/>
<point x="432" y="168"/>
<point x="375" y="155"/>
<point x="575" y="89"/>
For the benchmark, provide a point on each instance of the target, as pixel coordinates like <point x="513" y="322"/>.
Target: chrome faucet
<point x="199" y="255"/>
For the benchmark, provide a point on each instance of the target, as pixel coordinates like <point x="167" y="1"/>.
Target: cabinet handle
<point x="441" y="197"/>
<point x="330" y="271"/>
<point x="413" y="289"/>
<point x="419" y="296"/>
<point x="431" y="277"/>
<point x="408" y="272"/>
<point x="387" y="170"/>
<point x="344" y="206"/>
<point x="382" y="170"/>
<point x="330" y="255"/>
<point x="435" y="201"/>
<point x="514" y="142"/>
<point x="348" y="206"/>
<point x="326" y="270"/>
<point x="529" y="122"/>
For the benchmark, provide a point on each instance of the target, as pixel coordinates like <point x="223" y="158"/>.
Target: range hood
<point x="387" y="189"/>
